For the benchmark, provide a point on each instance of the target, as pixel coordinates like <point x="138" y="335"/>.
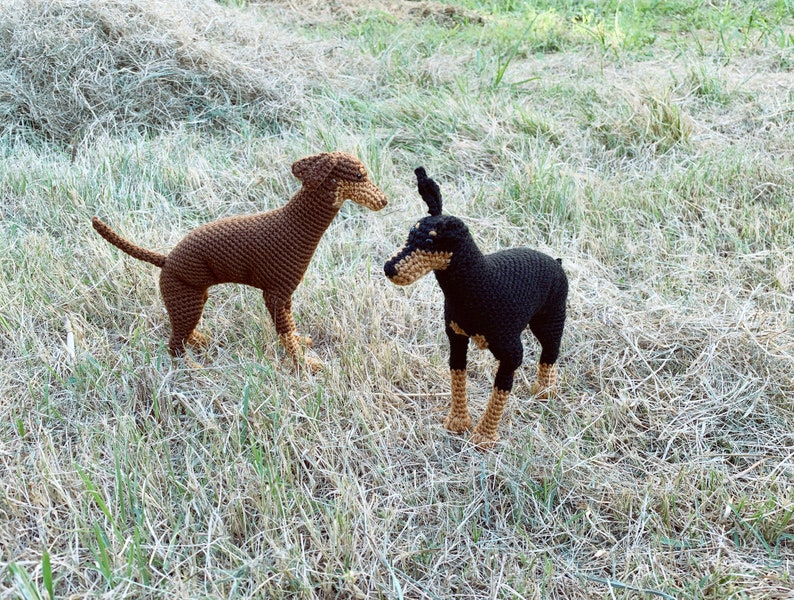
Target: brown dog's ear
<point x="313" y="170"/>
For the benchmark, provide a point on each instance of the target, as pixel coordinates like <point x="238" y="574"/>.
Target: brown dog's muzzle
<point x="404" y="269"/>
<point x="365" y="193"/>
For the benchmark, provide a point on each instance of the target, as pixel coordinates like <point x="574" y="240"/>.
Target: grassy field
<point x="649" y="145"/>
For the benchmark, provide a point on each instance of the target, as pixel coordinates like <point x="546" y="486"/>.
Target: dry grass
<point x="660" y="171"/>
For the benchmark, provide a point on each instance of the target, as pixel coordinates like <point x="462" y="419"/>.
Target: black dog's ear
<point x="429" y="191"/>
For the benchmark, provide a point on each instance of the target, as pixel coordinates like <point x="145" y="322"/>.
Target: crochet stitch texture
<point x="489" y="298"/>
<point x="270" y="251"/>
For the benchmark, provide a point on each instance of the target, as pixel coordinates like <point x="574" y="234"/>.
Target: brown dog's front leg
<point x="281" y="311"/>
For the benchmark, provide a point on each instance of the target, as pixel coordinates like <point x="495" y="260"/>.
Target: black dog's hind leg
<point x="486" y="432"/>
<point x="458" y="419"/>
<point x="548" y="330"/>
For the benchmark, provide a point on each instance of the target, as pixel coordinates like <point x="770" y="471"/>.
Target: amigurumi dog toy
<point x="269" y="250"/>
<point x="488" y="298"/>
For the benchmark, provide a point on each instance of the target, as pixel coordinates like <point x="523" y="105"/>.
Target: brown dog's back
<point x="259" y="250"/>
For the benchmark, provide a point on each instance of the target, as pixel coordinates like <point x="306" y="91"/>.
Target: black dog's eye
<point x="429" y="241"/>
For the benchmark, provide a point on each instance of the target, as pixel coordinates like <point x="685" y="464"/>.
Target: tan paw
<point x="457" y="424"/>
<point x="198" y="340"/>
<point x="483" y="441"/>
<point x="542" y="392"/>
<point x="312" y="364"/>
<point x="305" y="340"/>
<point x="186" y="360"/>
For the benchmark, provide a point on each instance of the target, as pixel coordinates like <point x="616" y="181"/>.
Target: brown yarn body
<point x="270" y="251"/>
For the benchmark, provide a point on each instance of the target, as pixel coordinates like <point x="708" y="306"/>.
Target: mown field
<point x="647" y="144"/>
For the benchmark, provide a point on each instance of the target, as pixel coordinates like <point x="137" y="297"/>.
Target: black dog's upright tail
<point x="158" y="260"/>
<point x="429" y="191"/>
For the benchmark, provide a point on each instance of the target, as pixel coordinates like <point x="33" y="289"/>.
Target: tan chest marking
<point x="479" y="340"/>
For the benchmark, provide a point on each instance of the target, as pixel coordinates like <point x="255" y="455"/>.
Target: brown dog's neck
<point x="309" y="213"/>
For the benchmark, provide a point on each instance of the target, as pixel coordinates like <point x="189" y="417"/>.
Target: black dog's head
<point x="431" y="243"/>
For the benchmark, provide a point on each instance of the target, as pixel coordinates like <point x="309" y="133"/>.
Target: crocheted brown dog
<point x="488" y="298"/>
<point x="269" y="251"/>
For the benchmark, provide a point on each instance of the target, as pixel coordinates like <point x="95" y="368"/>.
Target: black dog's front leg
<point x="486" y="433"/>
<point x="458" y="419"/>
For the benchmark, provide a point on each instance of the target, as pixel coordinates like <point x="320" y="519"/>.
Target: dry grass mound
<point x="70" y="67"/>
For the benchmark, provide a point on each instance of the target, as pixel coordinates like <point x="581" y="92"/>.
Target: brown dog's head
<point x="341" y="173"/>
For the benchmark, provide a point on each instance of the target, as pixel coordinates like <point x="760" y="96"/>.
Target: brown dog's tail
<point x="134" y="251"/>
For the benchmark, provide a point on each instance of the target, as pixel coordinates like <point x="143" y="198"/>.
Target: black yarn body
<point x="497" y="296"/>
<point x="494" y="297"/>
<point x="489" y="299"/>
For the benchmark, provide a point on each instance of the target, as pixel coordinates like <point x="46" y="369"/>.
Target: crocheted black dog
<point x="488" y="298"/>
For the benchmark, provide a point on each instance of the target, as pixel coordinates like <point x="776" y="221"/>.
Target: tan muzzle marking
<point x="366" y="194"/>
<point x="418" y="264"/>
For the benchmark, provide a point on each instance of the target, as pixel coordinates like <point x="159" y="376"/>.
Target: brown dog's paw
<point x="198" y="340"/>
<point x="304" y="340"/>
<point x="482" y="441"/>
<point x="457" y="424"/>
<point x="188" y="362"/>
<point x="314" y="365"/>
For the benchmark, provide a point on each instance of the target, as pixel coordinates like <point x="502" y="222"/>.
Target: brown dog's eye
<point x="359" y="176"/>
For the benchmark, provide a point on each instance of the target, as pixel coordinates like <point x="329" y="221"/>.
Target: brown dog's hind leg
<point x="184" y="305"/>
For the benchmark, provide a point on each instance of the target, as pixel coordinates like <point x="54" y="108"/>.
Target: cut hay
<point x="70" y="67"/>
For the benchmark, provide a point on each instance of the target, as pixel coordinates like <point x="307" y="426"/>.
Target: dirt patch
<point x="441" y="14"/>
